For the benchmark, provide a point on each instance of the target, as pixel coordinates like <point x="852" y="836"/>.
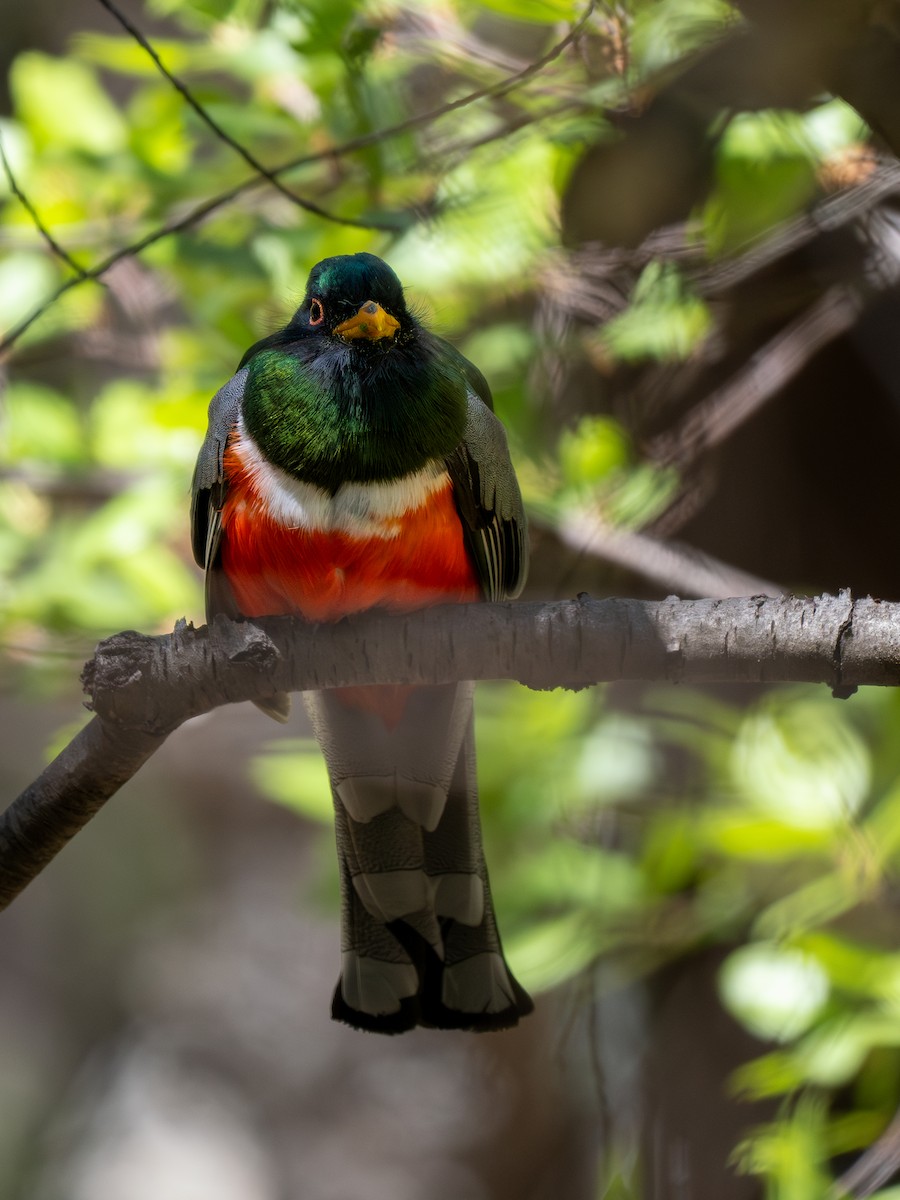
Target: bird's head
<point x="354" y="297"/>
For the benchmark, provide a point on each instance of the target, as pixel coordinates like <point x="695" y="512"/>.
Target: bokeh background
<point x="673" y="247"/>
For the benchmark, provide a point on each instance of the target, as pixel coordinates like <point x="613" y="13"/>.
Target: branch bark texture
<point x="142" y="688"/>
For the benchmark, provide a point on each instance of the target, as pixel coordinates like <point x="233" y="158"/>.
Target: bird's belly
<point x="327" y="569"/>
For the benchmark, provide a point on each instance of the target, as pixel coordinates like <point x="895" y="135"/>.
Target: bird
<point x="354" y="462"/>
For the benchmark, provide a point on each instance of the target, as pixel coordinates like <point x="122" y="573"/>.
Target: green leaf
<point x="669" y="855"/>
<point x="544" y="12"/>
<point x="25" y="281"/>
<point x="158" y="131"/>
<point x="851" y="966"/>
<point x="501" y="351"/>
<point x="133" y="425"/>
<point x="823" y="900"/>
<point x="664" y="31"/>
<point x="832" y="126"/>
<point x="765" y="171"/>
<point x="17" y="149"/>
<point x="593" y="450"/>
<point x="640" y="494"/>
<point x="293" y="773"/>
<point x="565" y="873"/>
<point x="742" y="836"/>
<point x="771" y="1074"/>
<point x="802" y="762"/>
<point x="63" y="105"/>
<point x="664" y="320"/>
<point x="833" y="1054"/>
<point x="791" y="1153"/>
<point x="41" y="427"/>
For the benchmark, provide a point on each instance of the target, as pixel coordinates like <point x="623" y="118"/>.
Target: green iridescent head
<point x="354" y="388"/>
<point x="354" y="297"/>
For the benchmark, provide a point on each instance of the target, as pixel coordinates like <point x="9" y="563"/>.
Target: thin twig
<point x="716" y="417"/>
<point x="462" y="148"/>
<point x="677" y="567"/>
<point x="39" y="225"/>
<point x="224" y="136"/>
<point x="878" y="1166"/>
<point x="198" y="213"/>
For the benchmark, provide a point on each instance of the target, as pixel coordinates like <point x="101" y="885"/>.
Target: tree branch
<point x="64" y="797"/>
<point x="142" y="688"/>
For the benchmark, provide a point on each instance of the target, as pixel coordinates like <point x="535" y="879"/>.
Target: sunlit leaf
<point x="801" y="762"/>
<point x="666" y="29"/>
<point x="815" y="903"/>
<point x="25" y="281"/>
<point x="591" y="451"/>
<point x="791" y="1153"/>
<point x="766" y="172"/>
<point x="832" y="1054"/>
<point x="158" y="130"/>
<point x="759" y="838"/>
<point x="775" y="991"/>
<point x="543" y="11"/>
<point x="17" y="148"/>
<point x="664" y="320"/>
<point x="565" y="873"/>
<point x="63" y="105"/>
<point x="848" y="964"/>
<point x="131" y="425"/>
<point x="617" y="760"/>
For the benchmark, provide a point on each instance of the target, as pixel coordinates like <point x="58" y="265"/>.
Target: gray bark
<point x="142" y="688"/>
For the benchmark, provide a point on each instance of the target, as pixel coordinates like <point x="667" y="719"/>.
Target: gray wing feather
<point x="208" y="494"/>
<point x="208" y="486"/>
<point x="490" y="503"/>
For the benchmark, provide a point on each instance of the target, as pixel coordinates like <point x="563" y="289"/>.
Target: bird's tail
<point x="419" y="940"/>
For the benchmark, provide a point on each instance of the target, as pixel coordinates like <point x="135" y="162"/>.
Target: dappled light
<point x="666" y="231"/>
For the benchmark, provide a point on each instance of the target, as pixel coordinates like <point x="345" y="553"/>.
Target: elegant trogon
<point x="354" y="461"/>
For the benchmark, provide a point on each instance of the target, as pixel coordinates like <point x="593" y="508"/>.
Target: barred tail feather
<point x="419" y="939"/>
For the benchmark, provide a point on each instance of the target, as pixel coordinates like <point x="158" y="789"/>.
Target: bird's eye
<point x="316" y="312"/>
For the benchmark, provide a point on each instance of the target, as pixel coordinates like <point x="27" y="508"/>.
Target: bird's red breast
<point x="416" y="559"/>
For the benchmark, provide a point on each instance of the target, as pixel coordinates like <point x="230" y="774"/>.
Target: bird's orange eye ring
<point x="316" y="312"/>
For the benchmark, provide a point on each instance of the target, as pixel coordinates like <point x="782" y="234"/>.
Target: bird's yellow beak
<point x="370" y="322"/>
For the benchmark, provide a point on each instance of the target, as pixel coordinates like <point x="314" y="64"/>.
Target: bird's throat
<point x="328" y="415"/>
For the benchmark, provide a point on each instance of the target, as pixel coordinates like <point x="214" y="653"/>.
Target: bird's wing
<point x="487" y="495"/>
<point x="208" y="495"/>
<point x="475" y="381"/>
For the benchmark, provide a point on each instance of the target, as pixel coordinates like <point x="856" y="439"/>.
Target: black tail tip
<point x="429" y="1012"/>
<point x="477" y="993"/>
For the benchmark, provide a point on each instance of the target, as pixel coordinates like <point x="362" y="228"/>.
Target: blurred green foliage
<point x="640" y="835"/>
